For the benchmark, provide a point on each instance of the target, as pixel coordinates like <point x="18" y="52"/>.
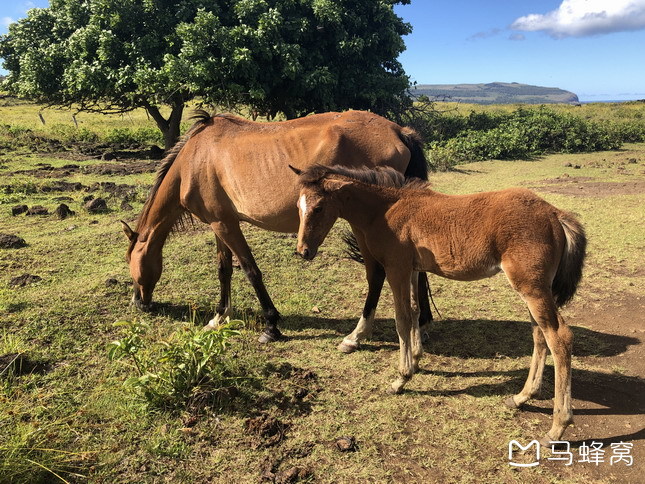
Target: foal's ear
<point x="333" y="185"/>
<point x="129" y="233"/>
<point x="295" y="170"/>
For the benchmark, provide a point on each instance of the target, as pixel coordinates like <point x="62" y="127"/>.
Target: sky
<point x="594" y="48"/>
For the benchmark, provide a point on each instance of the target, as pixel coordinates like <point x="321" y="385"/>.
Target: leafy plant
<point x="170" y="374"/>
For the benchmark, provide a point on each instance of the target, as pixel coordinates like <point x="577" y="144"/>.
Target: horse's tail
<point x="569" y="271"/>
<point x="418" y="165"/>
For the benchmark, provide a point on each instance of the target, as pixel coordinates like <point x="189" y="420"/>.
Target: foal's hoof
<point x="510" y="403"/>
<point x="348" y="346"/>
<point x="270" y="337"/>
<point x="545" y="442"/>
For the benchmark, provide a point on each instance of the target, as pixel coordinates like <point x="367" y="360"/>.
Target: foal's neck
<point x="361" y="203"/>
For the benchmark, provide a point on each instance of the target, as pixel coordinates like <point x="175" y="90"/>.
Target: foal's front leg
<point x="407" y="327"/>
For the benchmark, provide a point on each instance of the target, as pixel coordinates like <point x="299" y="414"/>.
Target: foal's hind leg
<point x="559" y="338"/>
<point x="534" y="380"/>
<point x="415" y="331"/>
<point x="231" y="234"/>
<point x="375" y="280"/>
<point x="400" y="284"/>
<point x="224" y="273"/>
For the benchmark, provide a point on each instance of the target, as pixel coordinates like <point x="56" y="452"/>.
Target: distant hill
<point x="495" y="93"/>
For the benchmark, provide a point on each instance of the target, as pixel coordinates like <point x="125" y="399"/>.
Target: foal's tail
<point x="418" y="165"/>
<point x="569" y="271"/>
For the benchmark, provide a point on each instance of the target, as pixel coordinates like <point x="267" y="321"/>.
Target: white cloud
<point x="5" y="21"/>
<point x="581" y="18"/>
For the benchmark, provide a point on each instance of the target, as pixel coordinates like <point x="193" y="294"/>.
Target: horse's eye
<point x="317" y="209"/>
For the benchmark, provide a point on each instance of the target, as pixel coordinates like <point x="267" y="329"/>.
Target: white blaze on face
<point x="303" y="204"/>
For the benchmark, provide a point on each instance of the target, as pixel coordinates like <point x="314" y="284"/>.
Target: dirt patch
<point x="18" y="364"/>
<point x="11" y="241"/>
<point x="131" y="168"/>
<point x="265" y="430"/>
<point x="583" y="187"/>
<point x="24" y="280"/>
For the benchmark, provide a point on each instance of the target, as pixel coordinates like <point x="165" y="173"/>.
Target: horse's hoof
<point x="425" y="337"/>
<point x="510" y="403"/>
<point x="545" y="442"/>
<point x="348" y="347"/>
<point x="270" y="337"/>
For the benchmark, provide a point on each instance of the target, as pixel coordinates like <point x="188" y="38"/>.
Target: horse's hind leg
<point x="375" y="280"/>
<point x="559" y="339"/>
<point x="534" y="380"/>
<point x="232" y="236"/>
<point x="224" y="273"/>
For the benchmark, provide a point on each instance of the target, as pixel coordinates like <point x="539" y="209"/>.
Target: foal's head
<point x="145" y="268"/>
<point x="318" y="209"/>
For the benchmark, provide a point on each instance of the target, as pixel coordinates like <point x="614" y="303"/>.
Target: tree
<point x="289" y="56"/>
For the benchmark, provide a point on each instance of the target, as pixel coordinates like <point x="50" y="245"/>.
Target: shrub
<point x="191" y="367"/>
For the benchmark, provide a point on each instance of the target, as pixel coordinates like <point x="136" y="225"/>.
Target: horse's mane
<point x="382" y="176"/>
<point x="202" y="118"/>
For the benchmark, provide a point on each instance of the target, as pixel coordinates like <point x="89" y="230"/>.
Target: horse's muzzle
<point x="307" y="254"/>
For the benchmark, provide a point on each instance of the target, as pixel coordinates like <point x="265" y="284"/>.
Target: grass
<point x="70" y="417"/>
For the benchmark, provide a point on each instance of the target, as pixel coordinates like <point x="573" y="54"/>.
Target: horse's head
<point x="145" y="267"/>
<point x="318" y="209"/>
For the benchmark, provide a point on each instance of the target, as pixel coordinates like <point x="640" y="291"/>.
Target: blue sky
<point x="594" y="48"/>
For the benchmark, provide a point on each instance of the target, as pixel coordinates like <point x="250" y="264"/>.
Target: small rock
<point x="71" y="227"/>
<point x="97" y="205"/>
<point x="18" y="209"/>
<point x="25" y="279"/>
<point x="576" y="167"/>
<point x="63" y="211"/>
<point x="125" y="206"/>
<point x="37" y="210"/>
<point x="155" y="152"/>
<point x="11" y="241"/>
<point x="94" y="222"/>
<point x="111" y="282"/>
<point x="568" y="165"/>
<point x="315" y="310"/>
<point x="288" y="476"/>
<point x="346" y="444"/>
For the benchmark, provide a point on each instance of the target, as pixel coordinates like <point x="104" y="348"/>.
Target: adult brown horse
<point x="227" y="169"/>
<point x="408" y="228"/>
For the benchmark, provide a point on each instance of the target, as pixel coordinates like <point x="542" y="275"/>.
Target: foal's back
<point x="467" y="237"/>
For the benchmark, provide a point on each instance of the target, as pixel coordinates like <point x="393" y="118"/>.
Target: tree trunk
<point x="169" y="127"/>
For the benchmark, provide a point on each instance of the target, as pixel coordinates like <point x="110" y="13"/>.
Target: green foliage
<point x="171" y="374"/>
<point x="274" y="56"/>
<point x="521" y="134"/>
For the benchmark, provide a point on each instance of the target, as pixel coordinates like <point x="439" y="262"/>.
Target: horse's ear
<point x="129" y="233"/>
<point x="333" y="185"/>
<point x="295" y="170"/>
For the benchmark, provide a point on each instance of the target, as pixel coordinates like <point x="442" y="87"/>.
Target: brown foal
<point x="409" y="228"/>
<point x="227" y="170"/>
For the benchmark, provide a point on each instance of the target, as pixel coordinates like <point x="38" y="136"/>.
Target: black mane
<point x="382" y="176"/>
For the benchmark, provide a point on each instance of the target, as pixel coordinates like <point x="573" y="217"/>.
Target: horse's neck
<point x="365" y="203"/>
<point x="161" y="217"/>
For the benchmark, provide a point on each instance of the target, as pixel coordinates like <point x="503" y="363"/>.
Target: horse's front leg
<point x="407" y="327"/>
<point x="375" y="279"/>
<point x="231" y="234"/>
<point x="224" y="273"/>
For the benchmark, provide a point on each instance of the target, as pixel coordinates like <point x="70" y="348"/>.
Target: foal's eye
<point x="317" y="209"/>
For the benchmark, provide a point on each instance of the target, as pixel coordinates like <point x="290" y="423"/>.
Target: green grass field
<point x="66" y="414"/>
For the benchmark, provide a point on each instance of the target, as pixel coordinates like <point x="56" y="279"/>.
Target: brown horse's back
<point x="237" y="165"/>
<point x="465" y="237"/>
